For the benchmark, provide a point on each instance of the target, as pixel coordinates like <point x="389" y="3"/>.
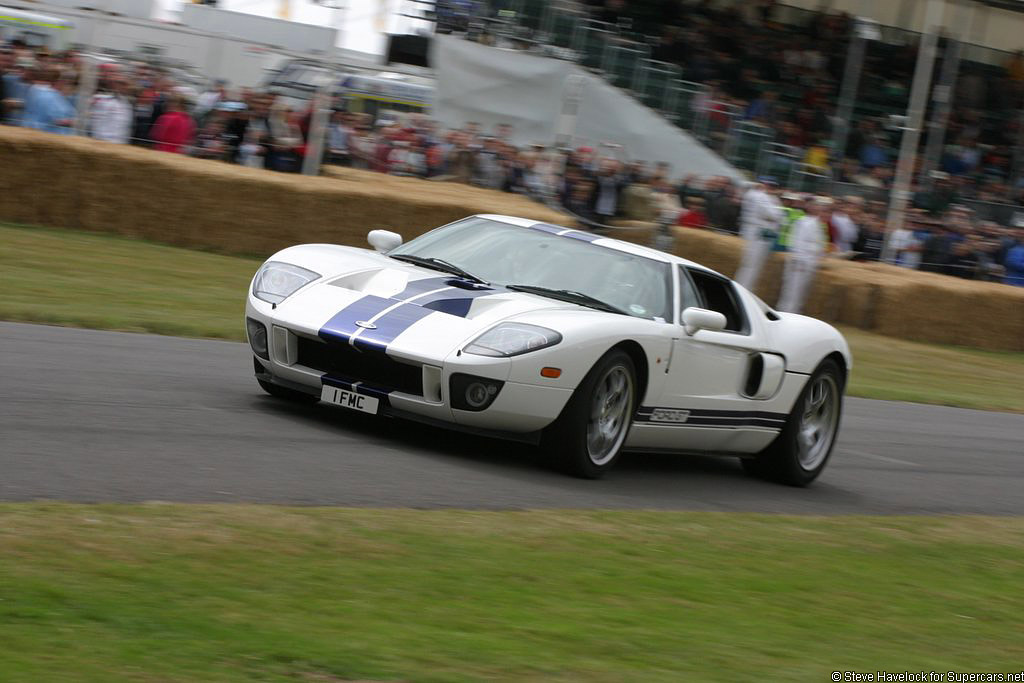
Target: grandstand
<point x="760" y="84"/>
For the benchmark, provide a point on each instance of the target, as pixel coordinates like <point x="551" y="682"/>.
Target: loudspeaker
<point x="408" y="49"/>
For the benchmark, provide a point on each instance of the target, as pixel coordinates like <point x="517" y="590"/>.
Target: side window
<point x="688" y="297"/>
<point x="717" y="294"/>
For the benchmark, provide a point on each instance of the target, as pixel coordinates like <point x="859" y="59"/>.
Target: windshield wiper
<point x="569" y="295"/>
<point x="439" y="264"/>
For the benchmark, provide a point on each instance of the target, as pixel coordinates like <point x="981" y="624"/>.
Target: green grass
<point x="221" y="593"/>
<point x="99" y="281"/>
<point x="900" y="370"/>
<point x="74" y="278"/>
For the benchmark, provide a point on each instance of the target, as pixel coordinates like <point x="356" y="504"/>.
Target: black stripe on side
<point x="722" y="419"/>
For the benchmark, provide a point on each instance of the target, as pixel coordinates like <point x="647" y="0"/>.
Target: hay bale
<point x="90" y="185"/>
<point x="951" y="311"/>
<point x="893" y="301"/>
<point x="718" y="252"/>
<point x="637" y="232"/>
<point x="79" y="183"/>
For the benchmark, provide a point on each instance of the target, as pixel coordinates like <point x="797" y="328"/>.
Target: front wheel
<point x="802" y="449"/>
<point x="587" y="437"/>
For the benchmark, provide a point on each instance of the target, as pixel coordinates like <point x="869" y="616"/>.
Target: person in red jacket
<point x="174" y="130"/>
<point x="693" y="215"/>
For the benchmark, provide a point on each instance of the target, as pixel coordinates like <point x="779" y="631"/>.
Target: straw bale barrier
<point x="78" y="183"/>
<point x="90" y="185"/>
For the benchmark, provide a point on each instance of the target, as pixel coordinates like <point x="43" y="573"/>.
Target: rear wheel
<point x="802" y="449"/>
<point x="587" y="438"/>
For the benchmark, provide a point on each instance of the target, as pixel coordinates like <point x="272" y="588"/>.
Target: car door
<point x="703" y="405"/>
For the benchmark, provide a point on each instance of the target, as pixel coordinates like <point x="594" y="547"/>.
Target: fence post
<point x="317" y="130"/>
<point x="915" y="113"/>
<point x="606" y="58"/>
<point x="640" y="78"/>
<point x="1017" y="168"/>
<point x="943" y="97"/>
<point x="87" y="81"/>
<point x="214" y="57"/>
<point x="848" y="94"/>
<point x="572" y="93"/>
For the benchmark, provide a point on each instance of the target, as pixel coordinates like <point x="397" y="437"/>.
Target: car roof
<point x="607" y="242"/>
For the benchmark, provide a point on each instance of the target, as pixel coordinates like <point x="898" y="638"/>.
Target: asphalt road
<point x="104" y="416"/>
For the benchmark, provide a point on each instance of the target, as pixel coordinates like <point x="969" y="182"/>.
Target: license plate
<point x="350" y="399"/>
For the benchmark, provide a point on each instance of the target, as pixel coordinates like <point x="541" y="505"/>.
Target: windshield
<point x="505" y="254"/>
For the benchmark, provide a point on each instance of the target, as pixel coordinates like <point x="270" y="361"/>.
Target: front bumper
<point x="517" y="408"/>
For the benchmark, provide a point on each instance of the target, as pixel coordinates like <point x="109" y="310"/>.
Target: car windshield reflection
<point x="505" y="254"/>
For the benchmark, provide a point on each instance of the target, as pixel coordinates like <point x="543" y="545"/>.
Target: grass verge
<point x="86" y="280"/>
<point x="224" y="593"/>
<point x="75" y="278"/>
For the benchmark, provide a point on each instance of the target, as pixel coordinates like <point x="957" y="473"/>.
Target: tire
<point x="586" y="439"/>
<point x="293" y="395"/>
<point x="801" y="451"/>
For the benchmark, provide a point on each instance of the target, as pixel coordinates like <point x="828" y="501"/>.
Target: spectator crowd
<point x="786" y="76"/>
<point x="809" y="227"/>
<point x="598" y="185"/>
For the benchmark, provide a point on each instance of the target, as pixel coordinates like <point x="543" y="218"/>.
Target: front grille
<point x="373" y="367"/>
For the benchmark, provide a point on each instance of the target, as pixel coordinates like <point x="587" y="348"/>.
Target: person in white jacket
<point x="760" y="217"/>
<point x="846" y="231"/>
<point x="111" y="115"/>
<point x="807" y="244"/>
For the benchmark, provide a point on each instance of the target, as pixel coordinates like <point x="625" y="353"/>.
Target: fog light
<point x="478" y="394"/>
<point x="473" y="393"/>
<point x="257" y="333"/>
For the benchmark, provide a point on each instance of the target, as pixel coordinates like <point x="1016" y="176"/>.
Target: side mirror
<point x="383" y="240"/>
<point x="696" y="319"/>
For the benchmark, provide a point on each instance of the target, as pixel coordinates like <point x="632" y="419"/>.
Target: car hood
<point x="378" y="303"/>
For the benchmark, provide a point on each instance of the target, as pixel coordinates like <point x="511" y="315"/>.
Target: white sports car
<point x="586" y="345"/>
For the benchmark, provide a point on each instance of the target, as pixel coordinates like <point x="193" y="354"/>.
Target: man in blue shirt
<point x="46" y="108"/>
<point x="1014" y="262"/>
<point x="15" y="86"/>
<point x="873" y="153"/>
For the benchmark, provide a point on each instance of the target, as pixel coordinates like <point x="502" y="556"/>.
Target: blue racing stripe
<point x="456" y="301"/>
<point x="456" y="307"/>
<point x="417" y="287"/>
<point x="547" y="227"/>
<point x="561" y="231"/>
<point x="389" y="326"/>
<point x="455" y="298"/>
<point x="580" y="235"/>
<point x="343" y="325"/>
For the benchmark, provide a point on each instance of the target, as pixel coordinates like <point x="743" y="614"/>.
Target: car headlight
<point x="276" y="281"/>
<point x="512" y="339"/>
